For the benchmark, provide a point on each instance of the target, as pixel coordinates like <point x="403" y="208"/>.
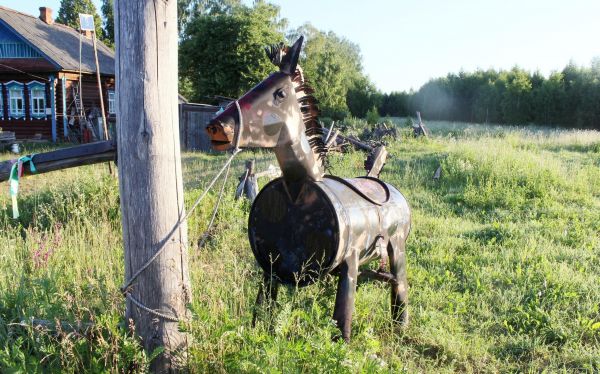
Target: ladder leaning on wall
<point x="77" y="114"/>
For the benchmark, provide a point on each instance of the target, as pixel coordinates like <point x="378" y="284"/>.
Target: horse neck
<point x="296" y="157"/>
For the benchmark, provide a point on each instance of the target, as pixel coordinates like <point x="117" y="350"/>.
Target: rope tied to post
<point x="162" y="245"/>
<point x="125" y="288"/>
<point x="16" y="172"/>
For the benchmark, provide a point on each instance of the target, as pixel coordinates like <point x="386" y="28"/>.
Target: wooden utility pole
<point x="150" y="181"/>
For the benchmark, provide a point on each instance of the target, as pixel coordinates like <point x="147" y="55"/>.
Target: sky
<point x="404" y="43"/>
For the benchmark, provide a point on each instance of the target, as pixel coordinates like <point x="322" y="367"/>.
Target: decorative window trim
<point x="19" y="113"/>
<point x="111" y="101"/>
<point x="36" y="85"/>
<point x="17" y="50"/>
<point x="1" y="101"/>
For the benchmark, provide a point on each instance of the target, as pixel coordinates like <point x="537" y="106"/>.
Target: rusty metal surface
<point x="294" y="240"/>
<point x="379" y="133"/>
<point x="306" y="224"/>
<point x="278" y="113"/>
<point x="299" y="240"/>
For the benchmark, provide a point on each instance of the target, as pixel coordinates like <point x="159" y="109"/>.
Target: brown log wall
<point x="27" y="127"/>
<point x="38" y="66"/>
<point x="91" y="97"/>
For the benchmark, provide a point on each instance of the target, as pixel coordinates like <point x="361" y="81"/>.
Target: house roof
<point x="59" y="43"/>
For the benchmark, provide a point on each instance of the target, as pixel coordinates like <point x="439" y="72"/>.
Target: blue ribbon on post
<point x="15" y="172"/>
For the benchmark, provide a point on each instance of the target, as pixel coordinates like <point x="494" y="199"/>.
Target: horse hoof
<point x="336" y="338"/>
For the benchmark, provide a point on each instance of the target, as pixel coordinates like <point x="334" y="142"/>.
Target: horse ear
<point x="290" y="60"/>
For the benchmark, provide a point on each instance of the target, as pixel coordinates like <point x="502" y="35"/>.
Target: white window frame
<point x="37" y="103"/>
<point x="11" y="88"/>
<point x="111" y="102"/>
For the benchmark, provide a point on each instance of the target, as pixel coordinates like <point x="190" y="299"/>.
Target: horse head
<point x="267" y="115"/>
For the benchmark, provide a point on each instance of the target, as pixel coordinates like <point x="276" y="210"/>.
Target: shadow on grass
<point x="413" y="172"/>
<point x="32" y="297"/>
<point x="580" y="148"/>
<point x="200" y="168"/>
<point x="430" y="350"/>
<point x="92" y="200"/>
<point x="491" y="234"/>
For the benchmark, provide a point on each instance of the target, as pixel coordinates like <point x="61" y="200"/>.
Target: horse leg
<point x="267" y="292"/>
<point x="344" y="299"/>
<point x="397" y="258"/>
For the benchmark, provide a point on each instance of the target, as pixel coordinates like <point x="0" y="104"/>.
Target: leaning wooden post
<point x="150" y="182"/>
<point x="100" y="94"/>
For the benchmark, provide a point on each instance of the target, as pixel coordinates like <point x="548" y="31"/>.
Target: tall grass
<point x="504" y="260"/>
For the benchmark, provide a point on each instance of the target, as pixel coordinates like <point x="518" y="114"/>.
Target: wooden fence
<point x="193" y="119"/>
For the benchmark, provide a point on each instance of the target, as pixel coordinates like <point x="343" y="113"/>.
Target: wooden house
<point x="40" y="66"/>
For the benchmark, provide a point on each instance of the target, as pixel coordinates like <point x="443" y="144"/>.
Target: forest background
<point x="221" y="44"/>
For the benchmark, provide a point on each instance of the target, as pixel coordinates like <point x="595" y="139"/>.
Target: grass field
<point x="504" y="267"/>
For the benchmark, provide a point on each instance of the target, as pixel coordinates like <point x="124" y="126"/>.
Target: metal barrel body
<point x="298" y="240"/>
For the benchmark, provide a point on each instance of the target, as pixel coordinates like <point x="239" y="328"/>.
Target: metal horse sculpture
<point x="306" y="224"/>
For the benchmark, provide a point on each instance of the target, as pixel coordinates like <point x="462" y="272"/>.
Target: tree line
<point x="221" y="54"/>
<point x="569" y="98"/>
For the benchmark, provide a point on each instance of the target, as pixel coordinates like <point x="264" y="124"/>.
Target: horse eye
<point x="279" y="94"/>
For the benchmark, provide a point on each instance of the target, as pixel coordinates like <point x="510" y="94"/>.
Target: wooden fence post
<point x="150" y="181"/>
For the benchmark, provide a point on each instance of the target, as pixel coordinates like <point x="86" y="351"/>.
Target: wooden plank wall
<point x="193" y="119"/>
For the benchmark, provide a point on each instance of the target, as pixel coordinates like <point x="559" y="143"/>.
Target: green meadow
<point x="504" y="267"/>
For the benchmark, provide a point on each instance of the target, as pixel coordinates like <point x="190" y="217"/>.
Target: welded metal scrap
<point x="307" y="224"/>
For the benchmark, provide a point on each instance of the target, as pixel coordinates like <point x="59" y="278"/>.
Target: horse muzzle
<point x="221" y="135"/>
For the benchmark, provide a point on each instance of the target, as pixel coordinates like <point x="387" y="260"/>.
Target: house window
<point x="37" y="99"/>
<point x="111" y="102"/>
<point x="16" y="101"/>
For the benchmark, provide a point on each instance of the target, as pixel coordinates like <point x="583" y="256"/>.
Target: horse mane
<point x="307" y="102"/>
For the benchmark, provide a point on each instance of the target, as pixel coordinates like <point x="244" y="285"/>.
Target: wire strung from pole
<point x="24" y="72"/>
<point x="159" y="251"/>
<point x="151" y="311"/>
<point x="125" y="288"/>
<point x="162" y="245"/>
<point x="214" y="213"/>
